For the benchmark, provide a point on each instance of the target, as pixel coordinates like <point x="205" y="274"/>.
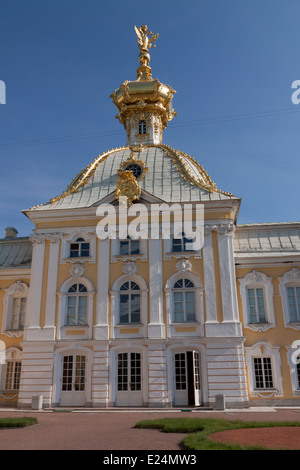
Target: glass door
<point x="129" y="379"/>
<point x="73" y="380"/>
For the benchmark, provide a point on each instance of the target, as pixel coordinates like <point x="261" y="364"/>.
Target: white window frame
<point x="175" y="327"/>
<point x="258" y="280"/>
<point x="76" y="296"/>
<point x="168" y="253"/>
<point x="16" y="290"/>
<point x="130" y="241"/>
<point x="13" y="355"/>
<point x="84" y="331"/>
<point x="115" y="308"/>
<point x="67" y="240"/>
<point x="116" y="254"/>
<point x="142" y="127"/>
<point x="290" y="279"/>
<point x="263" y="349"/>
<point x="184" y="290"/>
<point x="80" y="241"/>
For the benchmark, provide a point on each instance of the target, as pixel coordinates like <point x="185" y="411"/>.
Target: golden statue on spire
<point x="145" y="42"/>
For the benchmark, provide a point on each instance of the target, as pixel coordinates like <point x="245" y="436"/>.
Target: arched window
<point x="257" y="296"/>
<point x="130" y="303"/>
<point x="80" y="248"/>
<point x="11" y="370"/>
<point x="184" y="301"/>
<point x="77" y="303"/>
<point x="142" y="127"/>
<point x="15" y="307"/>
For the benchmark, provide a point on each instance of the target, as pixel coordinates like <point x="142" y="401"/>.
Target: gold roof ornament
<point x="145" y="98"/>
<point x="146" y="40"/>
<point x="128" y="188"/>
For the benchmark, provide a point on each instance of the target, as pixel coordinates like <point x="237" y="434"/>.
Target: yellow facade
<point x="163" y="325"/>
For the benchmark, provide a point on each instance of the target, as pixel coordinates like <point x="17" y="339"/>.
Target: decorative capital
<point x="54" y="237"/>
<point x="40" y="238"/>
<point x="37" y="239"/>
<point x="226" y="229"/>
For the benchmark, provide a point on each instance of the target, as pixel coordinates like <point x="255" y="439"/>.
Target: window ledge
<point x="76" y="327"/>
<point x="184" y="323"/>
<point x="129" y="325"/>
<point x="79" y="259"/>
<point x="135" y="256"/>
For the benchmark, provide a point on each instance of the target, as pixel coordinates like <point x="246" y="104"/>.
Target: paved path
<point x="113" y="430"/>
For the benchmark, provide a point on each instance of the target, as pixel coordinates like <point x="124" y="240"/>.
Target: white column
<point x="228" y="281"/>
<point x="35" y="294"/>
<point x="209" y="280"/>
<point x="49" y="328"/>
<point x="101" y="328"/>
<point x="156" y="327"/>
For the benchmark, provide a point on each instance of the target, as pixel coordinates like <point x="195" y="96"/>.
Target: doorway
<point x="187" y="383"/>
<point x="129" y="379"/>
<point x="73" y="383"/>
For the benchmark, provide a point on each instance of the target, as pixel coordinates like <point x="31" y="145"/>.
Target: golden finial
<point x="146" y="40"/>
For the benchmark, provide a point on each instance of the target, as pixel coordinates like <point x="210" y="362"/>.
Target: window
<point x="13" y="374"/>
<point x="130" y="300"/>
<point x="77" y="301"/>
<point x="298" y="375"/>
<point x="129" y="246"/>
<point x="182" y="244"/>
<point x="257" y="296"/>
<point x="290" y="294"/>
<point x="180" y="371"/>
<point x="184" y="301"/>
<point x="18" y="313"/>
<point x="263" y="372"/>
<point x="135" y="169"/>
<point x="142" y="127"/>
<point x="263" y="362"/>
<point x="256" y="304"/>
<point x="80" y="248"/>
<point x="293" y="295"/>
<point x="15" y="303"/>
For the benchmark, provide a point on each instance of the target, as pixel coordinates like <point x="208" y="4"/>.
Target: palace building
<point x="148" y="322"/>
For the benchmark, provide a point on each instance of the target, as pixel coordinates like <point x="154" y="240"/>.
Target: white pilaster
<point x="35" y="294"/>
<point x="101" y="328"/>
<point x="231" y="320"/>
<point x="49" y="327"/>
<point x="209" y="280"/>
<point x="156" y="327"/>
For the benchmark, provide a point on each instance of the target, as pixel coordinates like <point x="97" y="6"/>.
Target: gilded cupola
<point x="144" y="105"/>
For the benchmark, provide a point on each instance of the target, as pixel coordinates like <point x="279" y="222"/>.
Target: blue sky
<point x="231" y="63"/>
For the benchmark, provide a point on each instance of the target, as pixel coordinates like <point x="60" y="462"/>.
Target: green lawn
<point x="199" y="431"/>
<point x="17" y="422"/>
